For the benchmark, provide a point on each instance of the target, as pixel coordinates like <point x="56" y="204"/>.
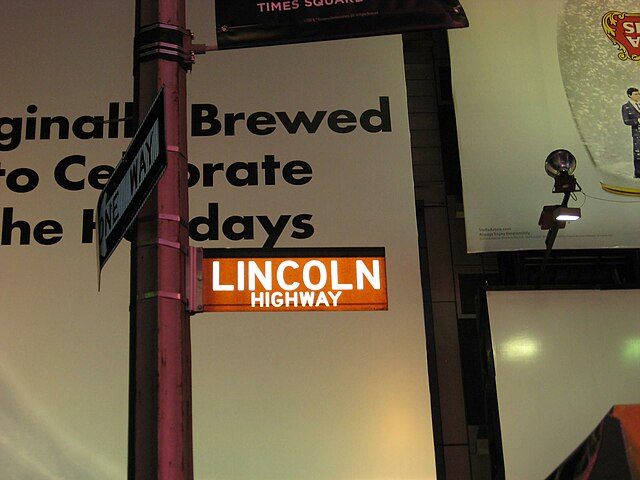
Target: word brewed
<point x="207" y="120"/>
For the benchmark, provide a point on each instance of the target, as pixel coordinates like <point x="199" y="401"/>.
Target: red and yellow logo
<point x="623" y="29"/>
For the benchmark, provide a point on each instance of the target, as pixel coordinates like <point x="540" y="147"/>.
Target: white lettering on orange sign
<point x="321" y="283"/>
<point x="294" y="299"/>
<point x="252" y="272"/>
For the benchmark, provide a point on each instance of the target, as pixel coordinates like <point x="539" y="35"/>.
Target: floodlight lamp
<point x="560" y="165"/>
<point x="560" y="161"/>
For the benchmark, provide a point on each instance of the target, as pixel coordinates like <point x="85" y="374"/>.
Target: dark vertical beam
<point x="160" y="443"/>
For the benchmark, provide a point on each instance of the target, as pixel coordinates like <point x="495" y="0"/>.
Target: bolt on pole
<point x="160" y="426"/>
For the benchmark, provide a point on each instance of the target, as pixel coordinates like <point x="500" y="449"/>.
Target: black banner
<point x="251" y="23"/>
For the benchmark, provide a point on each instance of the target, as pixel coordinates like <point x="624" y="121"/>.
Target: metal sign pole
<point x="160" y="433"/>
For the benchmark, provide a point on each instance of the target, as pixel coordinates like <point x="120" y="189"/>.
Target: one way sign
<point x="136" y="174"/>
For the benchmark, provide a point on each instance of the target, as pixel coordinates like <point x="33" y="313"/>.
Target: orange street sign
<point x="293" y="279"/>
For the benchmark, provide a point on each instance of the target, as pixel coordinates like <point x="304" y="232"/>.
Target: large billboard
<point x="533" y="77"/>
<point x="557" y="374"/>
<point x="302" y="146"/>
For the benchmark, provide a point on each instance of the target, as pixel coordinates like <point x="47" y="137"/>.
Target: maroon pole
<point x="160" y="435"/>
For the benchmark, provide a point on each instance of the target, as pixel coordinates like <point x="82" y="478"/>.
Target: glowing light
<point x="631" y="349"/>
<point x="520" y="348"/>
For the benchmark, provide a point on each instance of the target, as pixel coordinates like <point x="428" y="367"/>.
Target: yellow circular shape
<point x="633" y="192"/>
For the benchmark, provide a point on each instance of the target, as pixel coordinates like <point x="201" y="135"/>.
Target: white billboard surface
<point x="562" y="360"/>
<point x="298" y="146"/>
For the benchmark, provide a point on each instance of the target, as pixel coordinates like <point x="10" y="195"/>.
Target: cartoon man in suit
<point x="631" y="117"/>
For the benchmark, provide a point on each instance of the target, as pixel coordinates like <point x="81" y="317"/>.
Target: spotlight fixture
<point x="559" y="165"/>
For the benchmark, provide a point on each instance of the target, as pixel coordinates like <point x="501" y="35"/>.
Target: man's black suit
<point x="631" y="117"/>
